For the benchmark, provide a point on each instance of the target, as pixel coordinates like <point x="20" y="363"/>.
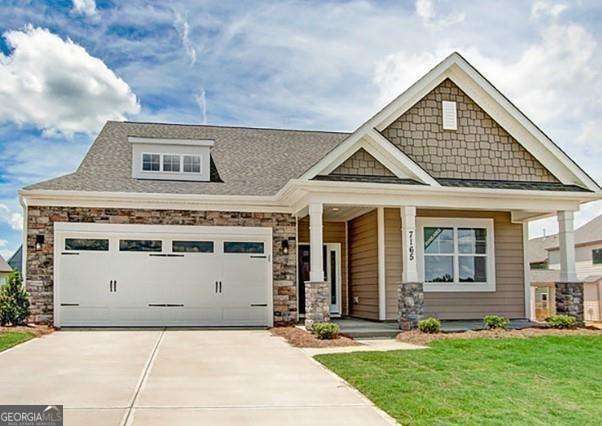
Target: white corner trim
<point x="527" y="272"/>
<point x="489" y="286"/>
<point x="382" y="291"/>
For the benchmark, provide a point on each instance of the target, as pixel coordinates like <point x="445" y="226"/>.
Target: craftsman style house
<point x="422" y="210"/>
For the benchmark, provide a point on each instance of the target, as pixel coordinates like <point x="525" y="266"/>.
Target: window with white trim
<point x="151" y="162"/>
<point x="456" y="254"/>
<point x="192" y="164"/>
<point x="171" y="163"/>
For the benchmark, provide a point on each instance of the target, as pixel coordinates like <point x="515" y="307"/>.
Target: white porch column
<point x="316" y="267"/>
<point x="408" y="229"/>
<point x="566" y="236"/>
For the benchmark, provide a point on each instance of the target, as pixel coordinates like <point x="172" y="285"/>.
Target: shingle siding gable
<point x="479" y="149"/>
<point x="363" y="164"/>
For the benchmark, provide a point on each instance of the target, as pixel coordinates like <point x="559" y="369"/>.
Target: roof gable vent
<point x="450" y="116"/>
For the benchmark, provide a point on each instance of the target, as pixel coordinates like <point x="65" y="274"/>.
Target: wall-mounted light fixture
<point x="39" y="241"/>
<point x="285" y="247"/>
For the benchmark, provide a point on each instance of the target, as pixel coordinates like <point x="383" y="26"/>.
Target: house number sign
<point x="411" y="246"/>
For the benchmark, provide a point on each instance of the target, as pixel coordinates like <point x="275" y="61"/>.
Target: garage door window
<point x="140" y="245"/>
<point x="192" y="246"/>
<point x="243" y="247"/>
<point x="89" y="244"/>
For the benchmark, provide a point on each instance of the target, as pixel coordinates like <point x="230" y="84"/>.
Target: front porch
<point x="392" y="266"/>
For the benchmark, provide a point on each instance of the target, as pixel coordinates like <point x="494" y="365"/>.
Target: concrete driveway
<point x="196" y="377"/>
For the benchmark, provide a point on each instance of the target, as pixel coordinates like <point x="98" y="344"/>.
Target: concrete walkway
<point x="156" y="377"/>
<point x="368" y="345"/>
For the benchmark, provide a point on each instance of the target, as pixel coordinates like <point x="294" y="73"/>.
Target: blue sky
<point x="67" y="66"/>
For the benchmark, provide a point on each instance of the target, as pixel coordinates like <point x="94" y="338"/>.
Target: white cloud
<point x="3" y="243"/>
<point x="542" y="7"/>
<point x="14" y="219"/>
<point x="57" y="86"/>
<point x="6" y="253"/>
<point x="84" y="7"/>
<point x="202" y="103"/>
<point x="183" y="29"/>
<point x="425" y="9"/>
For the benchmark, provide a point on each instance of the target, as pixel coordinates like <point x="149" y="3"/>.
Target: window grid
<point x="192" y="164"/>
<point x="597" y="256"/>
<point x="171" y="163"/>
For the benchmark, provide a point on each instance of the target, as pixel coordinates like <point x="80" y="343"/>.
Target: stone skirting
<point x="317" y="302"/>
<point x="410" y="299"/>
<point x="40" y="263"/>
<point x="569" y="299"/>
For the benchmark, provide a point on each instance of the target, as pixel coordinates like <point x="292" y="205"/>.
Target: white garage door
<point x="155" y="275"/>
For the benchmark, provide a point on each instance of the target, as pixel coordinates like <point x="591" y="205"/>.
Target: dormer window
<point x="151" y="162"/>
<point x="171" y="159"/>
<point x="171" y="163"/>
<point x="192" y="164"/>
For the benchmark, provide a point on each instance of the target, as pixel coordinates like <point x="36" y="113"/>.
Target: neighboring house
<point x="544" y="258"/>
<point x="16" y="260"/>
<point x="5" y="270"/>
<point x="212" y="225"/>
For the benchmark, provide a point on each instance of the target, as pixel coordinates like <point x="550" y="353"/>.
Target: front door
<point x="331" y="253"/>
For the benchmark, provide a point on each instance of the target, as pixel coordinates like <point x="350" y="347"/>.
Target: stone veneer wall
<point x="363" y="164"/>
<point x="40" y="264"/>
<point x="479" y="149"/>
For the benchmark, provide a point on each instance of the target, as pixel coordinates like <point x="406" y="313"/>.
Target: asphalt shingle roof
<point x="249" y="161"/>
<point x="508" y="184"/>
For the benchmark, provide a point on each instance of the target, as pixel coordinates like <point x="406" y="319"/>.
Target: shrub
<point x="14" y="301"/>
<point x="429" y="325"/>
<point x="496" y="321"/>
<point x="562" y="321"/>
<point x="325" y="330"/>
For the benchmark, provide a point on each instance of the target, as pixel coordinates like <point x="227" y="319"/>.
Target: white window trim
<point x="142" y="162"/>
<point x="162" y="171"/>
<point x="489" y="286"/>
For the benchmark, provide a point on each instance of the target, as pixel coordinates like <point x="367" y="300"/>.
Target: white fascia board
<point x="157" y="141"/>
<point x="380" y="148"/>
<point x="465" y="76"/>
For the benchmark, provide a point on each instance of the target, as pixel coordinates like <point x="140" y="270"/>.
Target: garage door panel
<point x="135" y="284"/>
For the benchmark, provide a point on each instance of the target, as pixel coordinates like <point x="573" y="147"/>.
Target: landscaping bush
<point x="562" y="321"/>
<point x="429" y="325"/>
<point x="325" y="330"/>
<point x="496" y="321"/>
<point x="14" y="301"/>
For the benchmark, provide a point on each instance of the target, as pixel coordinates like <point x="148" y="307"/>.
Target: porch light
<point x="285" y="247"/>
<point x="39" y="241"/>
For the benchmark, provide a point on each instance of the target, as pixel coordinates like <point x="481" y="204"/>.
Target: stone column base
<point x="317" y="302"/>
<point x="410" y="300"/>
<point x="569" y="299"/>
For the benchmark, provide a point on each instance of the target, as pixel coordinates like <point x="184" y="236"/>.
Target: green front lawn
<point x="543" y="380"/>
<point x="9" y="338"/>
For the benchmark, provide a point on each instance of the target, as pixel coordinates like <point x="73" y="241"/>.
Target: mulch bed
<point x="302" y="339"/>
<point x="37" y="329"/>
<point x="419" y="338"/>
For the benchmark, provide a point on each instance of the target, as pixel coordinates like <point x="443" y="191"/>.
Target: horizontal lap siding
<point x="393" y="260"/>
<point x="508" y="299"/>
<point x="363" y="265"/>
<point x="333" y="232"/>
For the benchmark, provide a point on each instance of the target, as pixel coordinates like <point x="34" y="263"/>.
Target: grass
<point x="9" y="338"/>
<point x="536" y="381"/>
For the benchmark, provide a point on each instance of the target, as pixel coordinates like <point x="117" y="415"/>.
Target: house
<point x="422" y="210"/>
<point x="5" y="270"/>
<point x="544" y="258"/>
<point x="16" y="260"/>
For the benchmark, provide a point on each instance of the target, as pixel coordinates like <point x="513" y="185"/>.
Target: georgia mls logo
<point x="31" y="415"/>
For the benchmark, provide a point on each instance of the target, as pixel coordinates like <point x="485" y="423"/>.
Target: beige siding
<point x="363" y="164"/>
<point x="363" y="266"/>
<point x="393" y="260"/>
<point x="508" y="299"/>
<point x="333" y="232"/>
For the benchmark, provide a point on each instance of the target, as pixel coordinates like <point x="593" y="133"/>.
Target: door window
<point x="243" y="247"/>
<point x="86" y="244"/>
<point x="192" y="246"/>
<point x="140" y="245"/>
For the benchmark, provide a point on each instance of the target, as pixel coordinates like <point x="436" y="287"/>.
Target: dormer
<point x="171" y="159"/>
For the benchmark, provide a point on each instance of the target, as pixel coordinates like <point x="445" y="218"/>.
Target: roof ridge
<point x="233" y="127"/>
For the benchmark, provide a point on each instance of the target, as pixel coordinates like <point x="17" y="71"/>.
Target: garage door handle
<point x="256" y="305"/>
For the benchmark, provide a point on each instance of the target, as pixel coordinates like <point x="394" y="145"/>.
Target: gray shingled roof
<point x="4" y="266"/>
<point x="509" y="184"/>
<point x="368" y="179"/>
<point x="250" y="161"/>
